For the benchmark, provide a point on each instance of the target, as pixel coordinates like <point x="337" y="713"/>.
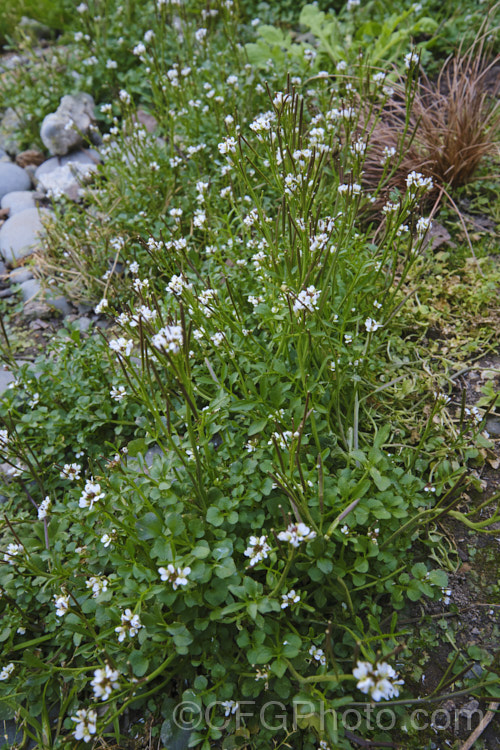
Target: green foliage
<point x="263" y="465"/>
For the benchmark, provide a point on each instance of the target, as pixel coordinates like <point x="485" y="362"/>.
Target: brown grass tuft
<point x="454" y="122"/>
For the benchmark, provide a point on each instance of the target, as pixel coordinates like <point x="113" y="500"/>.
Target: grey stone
<point x="6" y="377"/>
<point x="59" y="303"/>
<point x="67" y="127"/>
<point x="10" y="130"/>
<point x="30" y="289"/>
<point x="17" y="201"/>
<point x="493" y="425"/>
<point x="68" y="180"/>
<point x="12" y="178"/>
<point x="83" y="324"/>
<point x="81" y="156"/>
<point x="19" y="275"/>
<point x="20" y="234"/>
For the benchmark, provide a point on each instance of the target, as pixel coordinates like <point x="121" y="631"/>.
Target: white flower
<point x="7" y="671"/>
<point x="176" y="576"/>
<point x="423" y="225"/>
<point x="139" y="49"/>
<point x="169" y="338"/>
<point x="43" y="508"/>
<point x="4" y="438"/>
<point x="133" y="267"/>
<point x="71" y="471"/>
<point x="318" y="654"/>
<point x="307" y="299"/>
<point x="200" y="218"/>
<point x="34" y="401"/>
<point x="91" y="494"/>
<point x="86" y="724"/>
<point x="257" y="549"/>
<point x="296" y="533"/>
<point x="106" y="539"/>
<point x="111" y="65"/>
<point x="105" y="681"/>
<point x="230" y="707"/>
<point x="122" y="346"/>
<point x="98" y="584"/>
<point x="389" y="153"/>
<point x="130" y="626"/>
<point x="62" y="604"/>
<point x="118" y="393"/>
<point x="416" y="180"/>
<point x="200" y="34"/>
<point x="125" y="96"/>
<point x="379" y="680"/>
<point x="217" y="338"/>
<point x="12" y="550"/>
<point x="372" y="325"/>
<point x="227" y="146"/>
<point x="101" y="306"/>
<point x="177" y="284"/>
<point x="446" y="595"/>
<point x="289" y="598"/>
<point x="411" y="59"/>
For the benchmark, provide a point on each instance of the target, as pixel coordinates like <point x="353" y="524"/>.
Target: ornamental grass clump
<point x="452" y="125"/>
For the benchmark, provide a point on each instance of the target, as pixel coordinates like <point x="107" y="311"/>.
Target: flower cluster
<point x="130" y="626"/>
<point x="307" y="300"/>
<point x="379" y="680"/>
<point x="176" y="576"/>
<point x="62" y="604"/>
<point x="86" y="724"/>
<point x="296" y="533"/>
<point x="257" y="549"/>
<point x="98" y="584"/>
<point x="169" y="338"/>
<point x="44" y="508"/>
<point x="291" y="597"/>
<point x="105" y="681"/>
<point x="91" y="494"/>
<point x="318" y="654"/>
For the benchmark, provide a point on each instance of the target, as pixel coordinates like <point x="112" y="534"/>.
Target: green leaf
<point x="257" y="426"/>
<point x="149" y="526"/>
<point x="382" y="482"/>
<point x="137" y="446"/>
<point x="139" y="663"/>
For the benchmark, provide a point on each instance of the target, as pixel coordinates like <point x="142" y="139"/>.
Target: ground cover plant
<point x="225" y="501"/>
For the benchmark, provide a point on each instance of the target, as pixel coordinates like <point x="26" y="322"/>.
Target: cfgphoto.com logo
<point x="276" y="716"/>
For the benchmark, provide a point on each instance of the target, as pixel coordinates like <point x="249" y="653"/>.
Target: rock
<point x="59" y="303"/>
<point x="31" y="156"/>
<point x="68" y="180"/>
<point x="30" y="289"/>
<point x="83" y="324"/>
<point x="10" y="132"/>
<point x="12" y="179"/>
<point x="36" y="308"/>
<point x="20" y="275"/>
<point x="144" y="118"/>
<point x="20" y="235"/>
<point x="67" y="127"/>
<point x="6" y="377"/>
<point x="18" y="200"/>
<point x="82" y="156"/>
